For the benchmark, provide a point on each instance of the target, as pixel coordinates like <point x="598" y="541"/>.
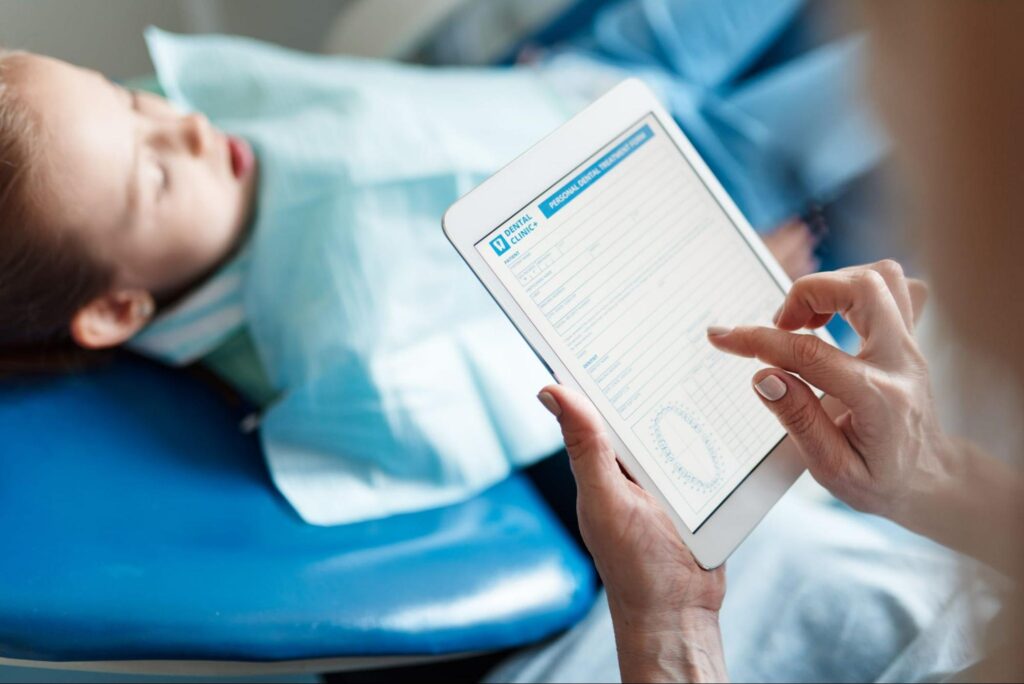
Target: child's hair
<point x="46" y="274"/>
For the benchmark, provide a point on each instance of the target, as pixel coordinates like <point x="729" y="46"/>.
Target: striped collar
<point x="199" y="323"/>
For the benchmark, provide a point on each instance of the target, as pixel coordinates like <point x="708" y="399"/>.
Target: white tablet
<point x="612" y="247"/>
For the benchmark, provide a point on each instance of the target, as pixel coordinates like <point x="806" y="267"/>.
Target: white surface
<point x="500" y="200"/>
<point x="107" y="34"/>
<point x="103" y="35"/>
<point x="26" y="675"/>
<point x="386" y="28"/>
<point x="485" y="31"/>
<point x="230" y="668"/>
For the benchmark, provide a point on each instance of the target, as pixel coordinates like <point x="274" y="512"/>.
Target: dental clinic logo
<point x="514" y="234"/>
<point x="499" y="245"/>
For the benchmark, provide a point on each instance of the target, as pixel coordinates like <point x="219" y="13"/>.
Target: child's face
<point x="162" y="196"/>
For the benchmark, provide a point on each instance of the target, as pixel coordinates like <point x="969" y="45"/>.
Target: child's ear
<point x="112" y="318"/>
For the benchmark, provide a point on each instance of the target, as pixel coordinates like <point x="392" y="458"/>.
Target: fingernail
<point x="716" y="330"/>
<point x="778" y="314"/>
<point x="771" y="388"/>
<point x="548" y="400"/>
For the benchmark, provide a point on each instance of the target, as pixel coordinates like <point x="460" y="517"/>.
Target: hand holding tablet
<point x="612" y="248"/>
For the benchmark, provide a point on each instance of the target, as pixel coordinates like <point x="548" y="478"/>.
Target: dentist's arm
<point x="664" y="606"/>
<point x="883" y="451"/>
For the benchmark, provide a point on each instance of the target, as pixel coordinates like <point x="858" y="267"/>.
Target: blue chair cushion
<point x="139" y="522"/>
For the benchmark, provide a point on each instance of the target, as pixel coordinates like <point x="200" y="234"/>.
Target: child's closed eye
<point x="160" y="180"/>
<point x="165" y="178"/>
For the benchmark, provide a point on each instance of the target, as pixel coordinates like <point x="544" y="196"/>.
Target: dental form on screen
<point x="611" y="247"/>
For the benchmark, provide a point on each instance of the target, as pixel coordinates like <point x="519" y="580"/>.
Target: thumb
<point x="591" y="454"/>
<point x="824" y="448"/>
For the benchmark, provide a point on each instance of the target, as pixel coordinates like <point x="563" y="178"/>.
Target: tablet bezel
<point x="516" y="186"/>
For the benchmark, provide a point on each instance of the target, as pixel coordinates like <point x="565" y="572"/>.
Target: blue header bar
<point x="565" y="194"/>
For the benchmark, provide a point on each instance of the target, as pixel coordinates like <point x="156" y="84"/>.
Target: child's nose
<point x="197" y="133"/>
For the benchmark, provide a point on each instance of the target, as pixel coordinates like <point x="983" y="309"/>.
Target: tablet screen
<point x="622" y="265"/>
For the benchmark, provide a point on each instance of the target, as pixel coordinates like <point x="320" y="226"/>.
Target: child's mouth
<point x="242" y="157"/>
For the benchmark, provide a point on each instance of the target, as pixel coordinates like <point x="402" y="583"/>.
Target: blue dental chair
<point x="141" y="534"/>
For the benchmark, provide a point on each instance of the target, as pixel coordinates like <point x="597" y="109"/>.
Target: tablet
<point x="611" y="247"/>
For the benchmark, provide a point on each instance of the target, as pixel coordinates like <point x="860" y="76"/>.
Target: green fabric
<point x="237" y="362"/>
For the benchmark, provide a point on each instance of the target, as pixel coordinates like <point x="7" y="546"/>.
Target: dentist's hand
<point x="883" y="449"/>
<point x="663" y="605"/>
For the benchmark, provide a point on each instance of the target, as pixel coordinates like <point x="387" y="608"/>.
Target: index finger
<point x="816" y="361"/>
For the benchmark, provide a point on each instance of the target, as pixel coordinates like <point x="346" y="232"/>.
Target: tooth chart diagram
<point x="690" y="452"/>
<point x="627" y="278"/>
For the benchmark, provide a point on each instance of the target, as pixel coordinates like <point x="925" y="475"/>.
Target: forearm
<point x="688" y="651"/>
<point x="974" y="506"/>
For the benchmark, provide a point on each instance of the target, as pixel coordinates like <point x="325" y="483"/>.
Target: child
<point x="116" y="207"/>
<point x="112" y="204"/>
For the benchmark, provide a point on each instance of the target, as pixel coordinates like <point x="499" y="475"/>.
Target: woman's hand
<point x="885" y="441"/>
<point x="663" y="605"/>
<point x="879" y="447"/>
